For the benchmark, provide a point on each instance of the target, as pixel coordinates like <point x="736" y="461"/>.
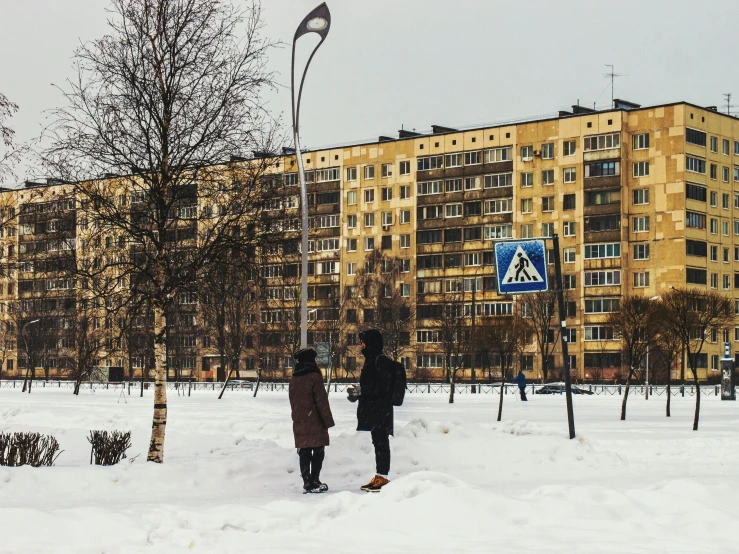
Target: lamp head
<point x="318" y="21"/>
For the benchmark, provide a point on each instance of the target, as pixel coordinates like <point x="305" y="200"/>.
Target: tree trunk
<point x="697" y="399"/>
<point x="452" y="375"/>
<point x="669" y="368"/>
<point x="259" y="380"/>
<point x="545" y="368"/>
<point x="225" y="382"/>
<point x="500" y="402"/>
<point x="159" y="422"/>
<point x="626" y="394"/>
<point x="77" y="384"/>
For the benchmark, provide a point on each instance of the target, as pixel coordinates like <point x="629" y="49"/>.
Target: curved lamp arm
<point x="317" y="21"/>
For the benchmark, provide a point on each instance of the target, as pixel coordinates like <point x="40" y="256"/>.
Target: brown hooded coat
<point x="311" y="412"/>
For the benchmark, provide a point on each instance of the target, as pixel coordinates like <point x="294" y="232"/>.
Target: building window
<point x="369" y="172"/>
<point x="547" y="230"/>
<point x="404" y="168"/>
<point x="453" y="185"/>
<point x="405" y="192"/>
<point x="641" y="197"/>
<point x="699" y="193"/>
<point x="387" y="170"/>
<point x="351" y="245"/>
<point x="641" y="169"/>
<point x="569" y="201"/>
<point x="641" y="224"/>
<point x="547" y="204"/>
<point x="600" y="332"/>
<point x="547" y="177"/>
<point x="602" y="142"/>
<point x="547" y="151"/>
<point x="499" y="206"/>
<point x="602" y="305"/>
<point x="569" y="147"/>
<point x="369" y="220"/>
<point x="569" y="174"/>
<point x="641" y="251"/>
<point x="693" y="136"/>
<point x="494" y="155"/>
<point x="695" y="165"/>
<point x="714" y="280"/>
<point x="570" y="281"/>
<point x="725" y="174"/>
<point x="603" y="278"/>
<point x="570" y="255"/>
<point x="387" y="218"/>
<point x="472" y="158"/>
<point x="695" y="220"/>
<point x="471" y="183"/>
<point x="527" y="231"/>
<point x="604" y="250"/>
<point x="602" y="169"/>
<point x="491" y="232"/>
<point x="430" y="162"/>
<point x="527" y="205"/>
<point x="453" y="160"/>
<point x="369" y="196"/>
<point x="527" y="180"/>
<point x="527" y="153"/>
<point x="714" y="226"/>
<point x="369" y="243"/>
<point x="498" y="180"/>
<point x="695" y="276"/>
<point x="725" y="201"/>
<point x="727" y="282"/>
<point x="386" y="194"/>
<point x="641" y="279"/>
<point x="405" y="241"/>
<point x="351" y="197"/>
<point x="570" y="228"/>
<point x="641" y="141"/>
<point x="428" y="187"/>
<point x="405" y="216"/>
<point x="351" y="221"/>
<point x="453" y="210"/>
<point x="714" y="171"/>
<point x="714" y="144"/>
<point x="351" y="173"/>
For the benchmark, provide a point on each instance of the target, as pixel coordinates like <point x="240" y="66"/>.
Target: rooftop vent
<point x="408" y="134"/>
<point x="712" y="108"/>
<point x="384" y="138"/>
<point x="578" y="109"/>
<point x="288" y="151"/>
<point x="438" y="129"/>
<point x="620" y="104"/>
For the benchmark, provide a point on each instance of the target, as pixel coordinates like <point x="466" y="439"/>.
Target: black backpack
<point x="398" y="382"/>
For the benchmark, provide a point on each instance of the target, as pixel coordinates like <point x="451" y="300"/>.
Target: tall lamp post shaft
<point x="317" y="21"/>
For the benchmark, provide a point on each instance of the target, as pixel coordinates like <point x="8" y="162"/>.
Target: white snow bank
<point x="461" y="482"/>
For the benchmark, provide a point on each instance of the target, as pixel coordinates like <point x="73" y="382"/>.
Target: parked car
<point x="559" y="388"/>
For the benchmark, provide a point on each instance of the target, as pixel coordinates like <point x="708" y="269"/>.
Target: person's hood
<point x="303" y="368"/>
<point x="372" y="339"/>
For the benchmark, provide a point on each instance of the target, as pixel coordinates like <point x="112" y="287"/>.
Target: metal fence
<point x="413" y="388"/>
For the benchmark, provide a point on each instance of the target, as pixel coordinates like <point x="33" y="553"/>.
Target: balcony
<point x="606" y="182"/>
<point x="602" y="209"/>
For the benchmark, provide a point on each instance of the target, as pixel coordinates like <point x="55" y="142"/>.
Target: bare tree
<point x="691" y="315"/>
<point x="502" y="337"/>
<point x="539" y="311"/>
<point x="173" y="89"/>
<point x="636" y="325"/>
<point x="669" y="346"/>
<point x="10" y="152"/>
<point x="455" y="338"/>
<point x="380" y="292"/>
<point x="87" y="339"/>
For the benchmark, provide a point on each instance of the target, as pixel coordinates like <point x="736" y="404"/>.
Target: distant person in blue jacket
<point x="520" y="380"/>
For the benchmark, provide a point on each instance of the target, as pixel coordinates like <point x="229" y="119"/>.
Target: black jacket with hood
<point x="375" y="409"/>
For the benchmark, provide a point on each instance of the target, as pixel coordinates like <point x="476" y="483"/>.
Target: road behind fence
<point x="413" y="388"/>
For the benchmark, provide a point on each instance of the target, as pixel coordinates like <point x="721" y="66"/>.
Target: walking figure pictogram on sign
<point x="521" y="266"/>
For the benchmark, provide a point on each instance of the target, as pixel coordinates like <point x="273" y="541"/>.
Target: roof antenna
<point x="612" y="75"/>
<point x="727" y="96"/>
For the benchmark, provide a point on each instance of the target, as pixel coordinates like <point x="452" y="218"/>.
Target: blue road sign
<point x="521" y="266"/>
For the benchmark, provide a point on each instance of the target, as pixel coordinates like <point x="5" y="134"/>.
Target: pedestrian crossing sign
<point x="521" y="266"/>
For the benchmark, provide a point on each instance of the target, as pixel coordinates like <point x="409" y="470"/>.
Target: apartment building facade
<point x="643" y="199"/>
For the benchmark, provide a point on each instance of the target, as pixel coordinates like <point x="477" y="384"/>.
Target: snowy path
<point x="461" y="482"/>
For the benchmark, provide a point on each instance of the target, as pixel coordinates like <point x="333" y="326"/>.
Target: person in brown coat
<point x="312" y="418"/>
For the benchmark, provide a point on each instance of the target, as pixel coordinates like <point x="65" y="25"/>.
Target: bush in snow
<point x="109" y="448"/>
<point x="33" y="449"/>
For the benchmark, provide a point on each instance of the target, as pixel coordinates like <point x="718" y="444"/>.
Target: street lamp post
<point x="318" y="21"/>
<point x="28" y="355"/>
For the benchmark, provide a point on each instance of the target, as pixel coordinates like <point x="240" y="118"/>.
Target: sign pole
<point x="563" y="323"/>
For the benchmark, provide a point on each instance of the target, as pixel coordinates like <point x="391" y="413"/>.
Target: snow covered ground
<point x="461" y="481"/>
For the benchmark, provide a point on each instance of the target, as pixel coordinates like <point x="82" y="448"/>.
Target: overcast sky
<point x="388" y="63"/>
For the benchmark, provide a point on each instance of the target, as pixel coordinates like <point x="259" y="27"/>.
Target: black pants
<point x="381" y="440"/>
<point x="523" y="393"/>
<point x="311" y="461"/>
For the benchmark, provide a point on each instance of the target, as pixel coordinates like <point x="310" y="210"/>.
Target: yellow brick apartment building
<point x="642" y="198"/>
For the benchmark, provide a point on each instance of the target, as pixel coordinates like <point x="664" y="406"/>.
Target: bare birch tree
<point x="692" y="315"/>
<point x="173" y="88"/>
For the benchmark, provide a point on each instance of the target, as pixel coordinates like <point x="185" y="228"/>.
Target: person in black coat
<point x="375" y="409"/>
